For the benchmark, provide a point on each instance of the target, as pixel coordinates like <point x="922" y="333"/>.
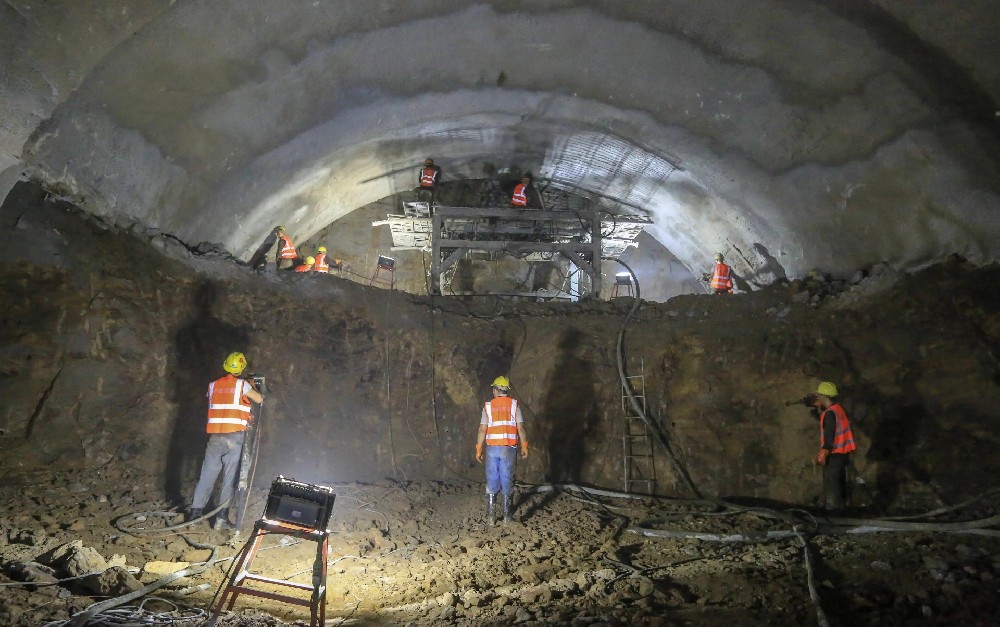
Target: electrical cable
<point x="811" y="580"/>
<point x="118" y="523"/>
<point x="633" y="401"/>
<point x="137" y="615"/>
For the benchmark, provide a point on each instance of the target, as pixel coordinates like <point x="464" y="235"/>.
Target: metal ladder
<point x="637" y="446"/>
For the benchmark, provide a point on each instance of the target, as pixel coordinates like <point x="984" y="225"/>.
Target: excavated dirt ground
<point x="106" y="346"/>
<point x="421" y="554"/>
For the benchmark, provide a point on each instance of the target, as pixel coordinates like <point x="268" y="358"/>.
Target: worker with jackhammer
<point x="501" y="428"/>
<point x="836" y="441"/>
<point x="228" y="418"/>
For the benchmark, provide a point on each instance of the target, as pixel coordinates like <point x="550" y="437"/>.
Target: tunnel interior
<point x="840" y="156"/>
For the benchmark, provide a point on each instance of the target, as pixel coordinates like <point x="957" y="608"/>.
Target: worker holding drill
<point x="501" y="428"/>
<point x="229" y="416"/>
<point x="836" y="441"/>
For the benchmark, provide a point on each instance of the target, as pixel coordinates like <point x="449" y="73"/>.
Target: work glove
<point x="479" y="452"/>
<point x="524" y="449"/>
<point x="821" y="456"/>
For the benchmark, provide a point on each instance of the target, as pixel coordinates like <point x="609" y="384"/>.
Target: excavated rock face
<point x="108" y="347"/>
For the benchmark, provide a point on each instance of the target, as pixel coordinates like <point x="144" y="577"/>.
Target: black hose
<point x="639" y="411"/>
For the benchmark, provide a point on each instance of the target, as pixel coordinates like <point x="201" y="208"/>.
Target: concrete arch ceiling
<point x="779" y="132"/>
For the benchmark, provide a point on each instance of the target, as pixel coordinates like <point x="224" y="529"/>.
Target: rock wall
<point x="107" y="345"/>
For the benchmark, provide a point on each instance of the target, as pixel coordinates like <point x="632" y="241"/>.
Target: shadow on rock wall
<point x="200" y="347"/>
<point x="570" y="410"/>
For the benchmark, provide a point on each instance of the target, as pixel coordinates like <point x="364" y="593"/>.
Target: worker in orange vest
<point x="722" y="278"/>
<point x="501" y="428"/>
<point x="229" y="416"/>
<point x="285" y="255"/>
<point x="520" y="197"/>
<point x="307" y="266"/>
<point x="319" y="262"/>
<point x="836" y="442"/>
<point x="429" y="175"/>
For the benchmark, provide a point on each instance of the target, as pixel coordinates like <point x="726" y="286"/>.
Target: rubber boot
<point x="195" y="514"/>
<point x="491" y="509"/>
<point x="506" y="509"/>
<point x="222" y="520"/>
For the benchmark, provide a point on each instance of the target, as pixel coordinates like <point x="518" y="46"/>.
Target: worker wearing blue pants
<point x="501" y="429"/>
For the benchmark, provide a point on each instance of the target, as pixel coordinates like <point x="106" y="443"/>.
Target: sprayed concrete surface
<point x="790" y="136"/>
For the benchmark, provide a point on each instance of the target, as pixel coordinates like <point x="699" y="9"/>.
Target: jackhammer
<point x="806" y="400"/>
<point x="248" y="456"/>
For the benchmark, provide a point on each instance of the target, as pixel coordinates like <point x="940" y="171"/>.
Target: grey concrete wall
<point x="830" y="134"/>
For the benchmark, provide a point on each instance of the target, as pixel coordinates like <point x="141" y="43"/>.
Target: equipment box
<point x="301" y="504"/>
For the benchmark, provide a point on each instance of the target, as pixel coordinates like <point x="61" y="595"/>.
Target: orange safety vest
<point x="501" y="421"/>
<point x="520" y="198"/>
<point x="321" y="265"/>
<point x="303" y="268"/>
<point x="843" y="438"/>
<point x="228" y="406"/>
<point x="286" y="249"/>
<point x="722" y="279"/>
<point x="428" y="176"/>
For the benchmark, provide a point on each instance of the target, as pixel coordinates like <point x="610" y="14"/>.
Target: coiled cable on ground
<point x="140" y="615"/>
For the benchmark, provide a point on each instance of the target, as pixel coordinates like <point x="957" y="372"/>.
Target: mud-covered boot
<point x="491" y="501"/>
<point x="507" y="505"/>
<point x="194" y="514"/>
<point x="222" y="521"/>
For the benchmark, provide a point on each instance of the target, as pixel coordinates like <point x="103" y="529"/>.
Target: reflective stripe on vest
<point x="843" y="437"/>
<point x="321" y="265"/>
<point x="721" y="279"/>
<point x="520" y="198"/>
<point x="287" y="248"/>
<point x="428" y="176"/>
<point x="501" y="421"/>
<point x="228" y="408"/>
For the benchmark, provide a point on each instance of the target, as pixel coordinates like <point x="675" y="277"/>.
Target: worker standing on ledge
<point x="285" y="255"/>
<point x="500" y="428"/>
<point x="520" y="197"/>
<point x="228" y="417"/>
<point x="428" y="177"/>
<point x="836" y="441"/>
<point x="319" y="262"/>
<point x="722" y="278"/>
<point x="307" y="266"/>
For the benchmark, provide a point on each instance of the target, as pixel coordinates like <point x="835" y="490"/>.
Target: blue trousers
<point x="501" y="462"/>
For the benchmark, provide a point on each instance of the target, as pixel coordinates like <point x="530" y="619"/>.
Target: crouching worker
<point x="229" y="416"/>
<point x="500" y="428"/>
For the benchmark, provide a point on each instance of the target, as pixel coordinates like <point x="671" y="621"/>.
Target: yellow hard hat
<point x="279" y="228"/>
<point x="719" y="257"/>
<point x="310" y="261"/>
<point x="501" y="382"/>
<point x="321" y="249"/>
<point x="235" y="363"/>
<point x="827" y="389"/>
